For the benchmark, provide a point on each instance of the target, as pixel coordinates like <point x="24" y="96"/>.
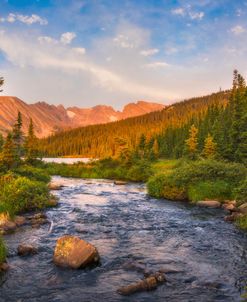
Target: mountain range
<point x="49" y="119"/>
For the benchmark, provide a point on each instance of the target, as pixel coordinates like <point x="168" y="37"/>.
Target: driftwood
<point x="149" y="283"/>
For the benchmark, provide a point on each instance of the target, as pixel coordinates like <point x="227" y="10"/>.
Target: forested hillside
<point x="157" y="128"/>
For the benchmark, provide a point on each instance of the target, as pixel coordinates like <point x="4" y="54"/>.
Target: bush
<point x="33" y="173"/>
<point x="203" y="179"/>
<point x="241" y="192"/>
<point x="242" y="222"/>
<point x="22" y="194"/>
<point x="3" y="251"/>
<point x="140" y="171"/>
<point x="217" y="190"/>
<point x="163" y="186"/>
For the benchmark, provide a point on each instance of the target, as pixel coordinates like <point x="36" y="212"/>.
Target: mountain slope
<point x="49" y="119"/>
<point x="100" y="140"/>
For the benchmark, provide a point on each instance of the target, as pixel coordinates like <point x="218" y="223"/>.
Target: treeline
<point x="221" y="132"/>
<point x="100" y="141"/>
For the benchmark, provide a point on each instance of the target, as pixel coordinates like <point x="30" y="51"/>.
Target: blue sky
<point x="89" y="52"/>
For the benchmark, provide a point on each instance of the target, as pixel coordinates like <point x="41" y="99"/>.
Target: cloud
<point x="26" y="54"/>
<point x="66" y="38"/>
<point x="179" y="11"/>
<point x="11" y="18"/>
<point x="238" y="29"/>
<point x="79" y="50"/>
<point x="157" y="65"/>
<point x="149" y="52"/>
<point x="196" y="15"/>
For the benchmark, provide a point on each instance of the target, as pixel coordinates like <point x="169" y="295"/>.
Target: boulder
<point x="19" y="220"/>
<point x="53" y="202"/>
<point x="149" y="283"/>
<point x="234" y="216"/>
<point x="7" y="227"/>
<point x="120" y="182"/>
<point x="209" y="203"/>
<point x="26" y="249"/>
<point x="55" y="186"/>
<point x="4" y="267"/>
<point x="73" y="252"/>
<point x="228" y="207"/>
<point x="243" y="208"/>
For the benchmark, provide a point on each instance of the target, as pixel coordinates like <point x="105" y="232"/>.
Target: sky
<point x="89" y="52"/>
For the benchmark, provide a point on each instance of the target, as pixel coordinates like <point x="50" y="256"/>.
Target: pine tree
<point x="192" y="141"/>
<point x="8" y="156"/>
<point x="142" y="145"/>
<point x="17" y="134"/>
<point x="30" y="144"/>
<point x="156" y="148"/>
<point x="1" y="142"/>
<point x="210" y="147"/>
<point x="1" y="82"/>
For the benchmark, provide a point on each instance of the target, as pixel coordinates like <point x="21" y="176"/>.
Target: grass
<point x="242" y="222"/>
<point x="3" y="251"/>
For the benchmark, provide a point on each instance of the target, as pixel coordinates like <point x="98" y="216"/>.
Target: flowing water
<point x="205" y="256"/>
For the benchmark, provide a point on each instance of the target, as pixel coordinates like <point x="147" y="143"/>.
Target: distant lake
<point x="67" y="160"/>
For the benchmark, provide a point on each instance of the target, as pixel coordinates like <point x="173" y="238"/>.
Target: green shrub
<point x="33" y="173"/>
<point x="22" y="194"/>
<point x="242" y="222"/>
<point x="141" y="171"/>
<point x="163" y="186"/>
<point x="217" y="190"/>
<point x="241" y="192"/>
<point x="3" y="251"/>
<point x="202" y="179"/>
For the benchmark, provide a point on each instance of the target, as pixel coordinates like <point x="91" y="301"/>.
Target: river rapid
<point x="205" y="257"/>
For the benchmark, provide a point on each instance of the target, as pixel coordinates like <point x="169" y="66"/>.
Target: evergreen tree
<point x="17" y="134"/>
<point x="1" y="82"/>
<point x="30" y="145"/>
<point x="1" y="142"/>
<point x="210" y="147"/>
<point x="8" y="156"/>
<point x="142" y="145"/>
<point x="192" y="141"/>
<point x="156" y="148"/>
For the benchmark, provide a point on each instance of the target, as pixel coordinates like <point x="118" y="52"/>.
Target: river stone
<point x="4" y="267"/>
<point x="26" y="249"/>
<point x="120" y="182"/>
<point x="55" y="186"/>
<point x="19" y="220"/>
<point x="234" y="216"/>
<point x="209" y="203"/>
<point x="7" y="227"/>
<point x="243" y="208"/>
<point x="73" y="252"/>
<point x="228" y="207"/>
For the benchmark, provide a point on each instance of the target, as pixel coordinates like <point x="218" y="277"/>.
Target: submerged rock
<point x="149" y="283"/>
<point x="73" y="252"/>
<point x="209" y="203"/>
<point x="234" y="216"/>
<point x="26" y="249"/>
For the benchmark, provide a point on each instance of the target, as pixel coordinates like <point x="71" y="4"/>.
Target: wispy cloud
<point x="238" y="30"/>
<point x="11" y="18"/>
<point x="187" y="11"/>
<point x="149" y="52"/>
<point x="157" y="65"/>
<point x="66" y="38"/>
